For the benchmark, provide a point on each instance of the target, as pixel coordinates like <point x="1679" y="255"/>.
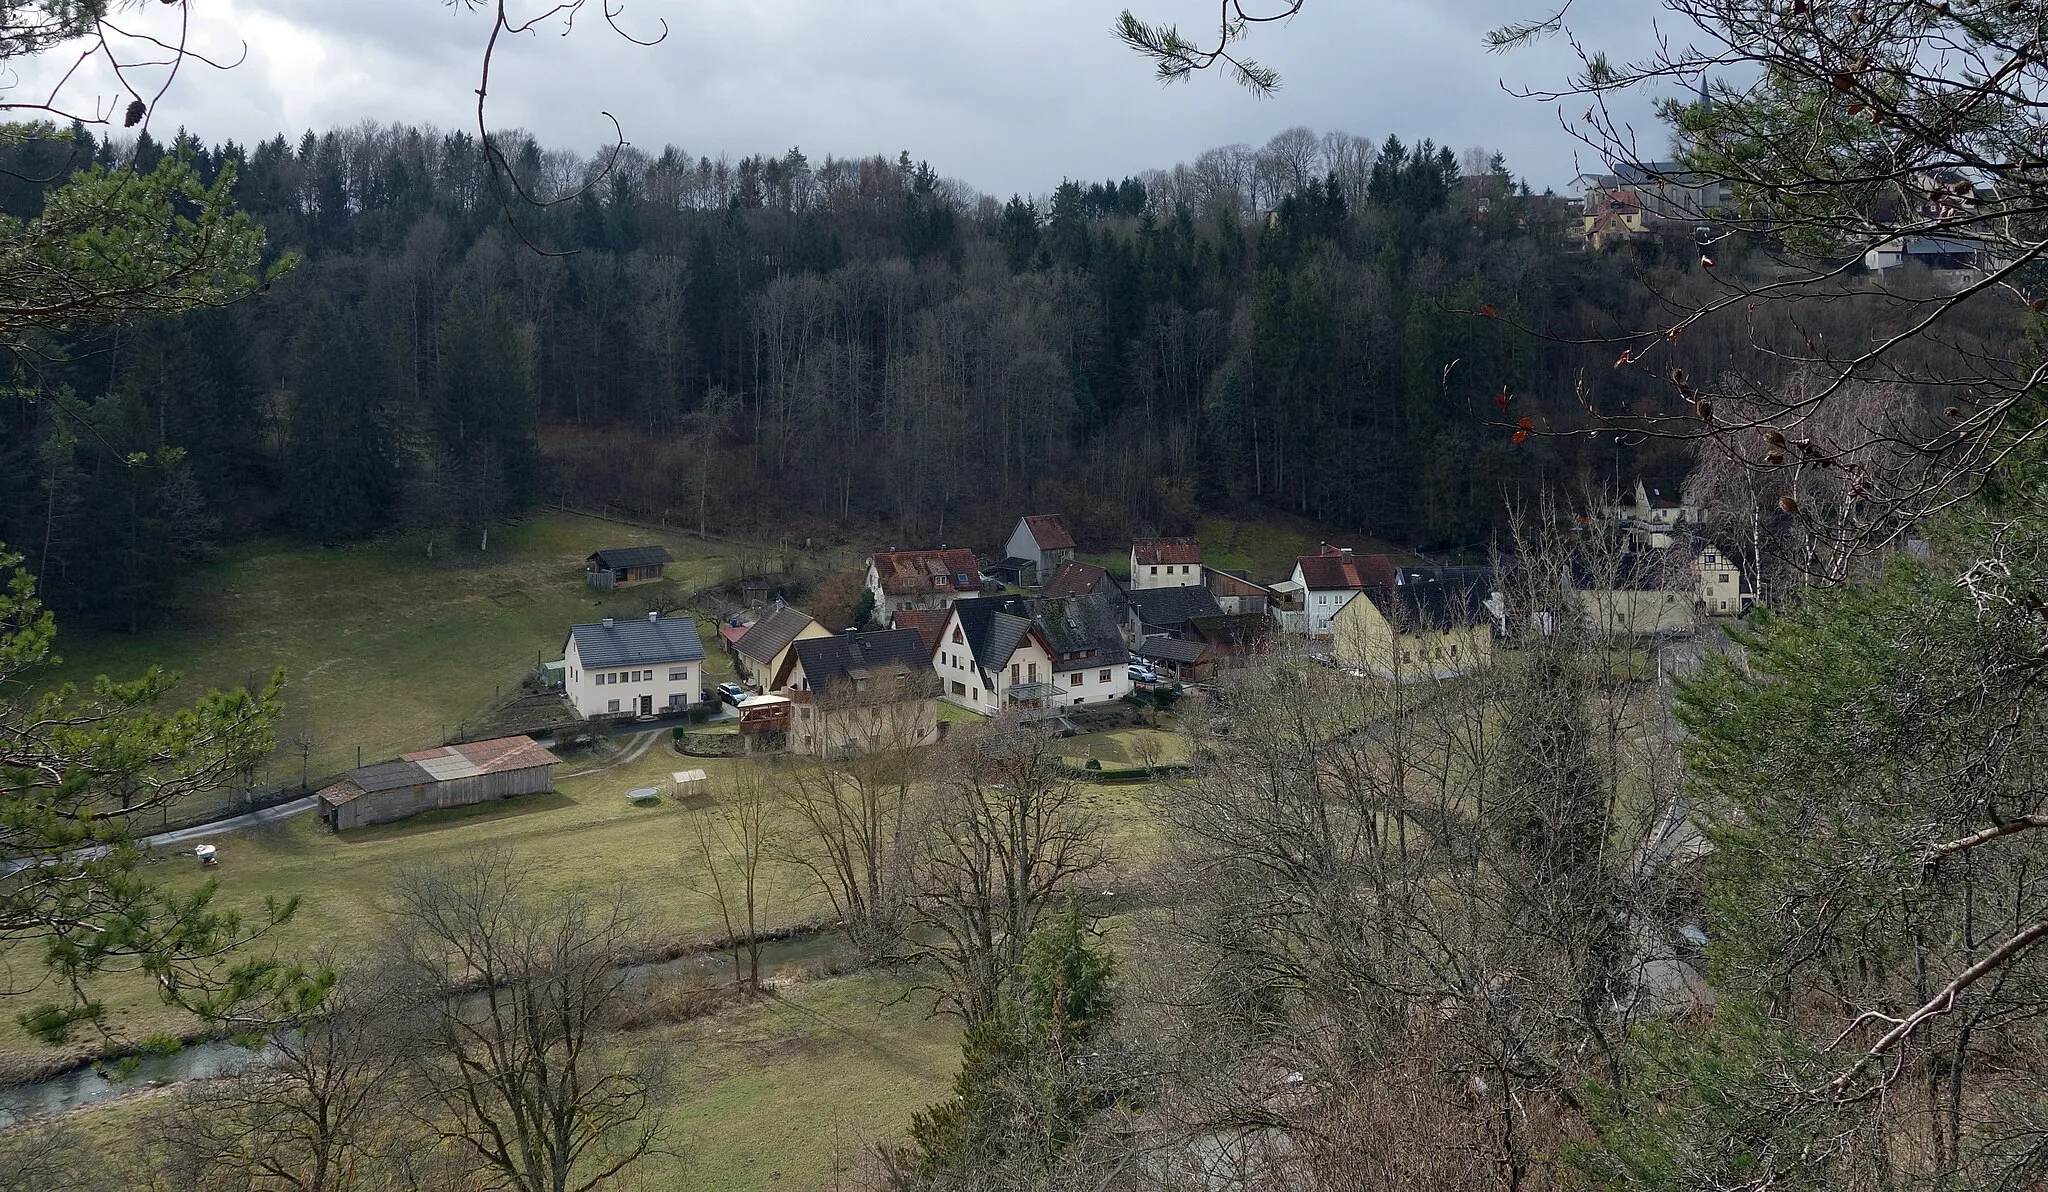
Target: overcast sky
<point x="1005" y="95"/>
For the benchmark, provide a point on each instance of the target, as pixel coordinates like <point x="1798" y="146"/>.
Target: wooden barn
<point x="451" y="776"/>
<point x="622" y="565"/>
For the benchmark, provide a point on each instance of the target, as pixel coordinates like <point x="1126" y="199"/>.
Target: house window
<point x="1077" y="678"/>
<point x="612" y="706"/>
<point x="957" y="639"/>
<point x="959" y="688"/>
<point x="1103" y="677"/>
<point x="1033" y="668"/>
<point x="679" y="676"/>
<point x="1015" y="671"/>
<point x="1724" y="579"/>
<point x="1153" y="570"/>
<point x="676" y="698"/>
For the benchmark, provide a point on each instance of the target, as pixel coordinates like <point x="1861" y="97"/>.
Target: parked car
<point x="732" y="693"/>
<point x="1140" y="673"/>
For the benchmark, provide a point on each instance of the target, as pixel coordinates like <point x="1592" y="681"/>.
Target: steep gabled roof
<point x="1077" y="579"/>
<point x="628" y="643"/>
<point x="1346" y="571"/>
<point x="928" y="622"/>
<point x="1148" y="552"/>
<point x="617" y="558"/>
<point x="917" y="572"/>
<point x="1170" y="608"/>
<point x="1081" y="631"/>
<point x="830" y="662"/>
<point x="772" y="634"/>
<point x="994" y="629"/>
<point x="1048" y="531"/>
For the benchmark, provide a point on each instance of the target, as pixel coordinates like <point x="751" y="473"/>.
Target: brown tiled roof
<point x="1148" y="552"/>
<point x="1346" y="571"/>
<point x="912" y="572"/>
<point x="772" y="634"/>
<point x="1049" y="532"/>
<point x="493" y="756"/>
<point x="1075" y="579"/>
<point x="929" y="623"/>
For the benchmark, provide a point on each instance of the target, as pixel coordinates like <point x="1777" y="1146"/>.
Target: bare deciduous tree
<point x="513" y="1056"/>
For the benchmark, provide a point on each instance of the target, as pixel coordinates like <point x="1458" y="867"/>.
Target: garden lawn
<point x="383" y="649"/>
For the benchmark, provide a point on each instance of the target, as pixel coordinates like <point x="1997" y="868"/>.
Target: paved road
<point x="268" y="815"/>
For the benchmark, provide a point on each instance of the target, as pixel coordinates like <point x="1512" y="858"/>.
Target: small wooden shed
<point x="451" y="776"/>
<point x="621" y="565"/>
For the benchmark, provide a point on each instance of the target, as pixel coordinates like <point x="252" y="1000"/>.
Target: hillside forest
<point x="851" y="348"/>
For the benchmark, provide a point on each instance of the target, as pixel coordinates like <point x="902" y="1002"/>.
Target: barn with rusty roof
<point x="451" y="776"/>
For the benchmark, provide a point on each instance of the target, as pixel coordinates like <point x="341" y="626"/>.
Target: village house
<point x="1722" y="591"/>
<point x="1651" y="519"/>
<point x="921" y="579"/>
<point x="1425" y="627"/>
<point x="1082" y="579"/>
<point x="634" y="668"/>
<point x="1166" y="563"/>
<point x="1089" y="659"/>
<point x="1236" y="594"/>
<point x="619" y="566"/>
<point x="859" y="693"/>
<point x="758" y="653"/>
<point x="451" y="776"/>
<point x="992" y="658"/>
<point x="1040" y="540"/>
<point x="1165" y="612"/>
<point x="1328" y="579"/>
<point x="1634" y="594"/>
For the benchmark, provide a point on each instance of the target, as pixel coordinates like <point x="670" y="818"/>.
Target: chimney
<point x="607" y="622"/>
<point x="653" y="615"/>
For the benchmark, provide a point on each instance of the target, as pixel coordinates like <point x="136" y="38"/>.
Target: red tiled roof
<point x="1049" y="532"/>
<point x="733" y="633"/>
<point x="912" y="572"/>
<point x="1346" y="571"/>
<point x="1153" y="551"/>
<point x="1075" y="579"/>
<point x="341" y="792"/>
<point x="929" y="623"/>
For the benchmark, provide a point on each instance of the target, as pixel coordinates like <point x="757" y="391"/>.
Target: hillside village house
<point x="1089" y="659"/>
<point x="1423" y="628"/>
<point x="634" y="668"/>
<point x="992" y="658"/>
<point x="758" y="654"/>
<point x="1634" y="594"/>
<point x="1042" y="541"/>
<point x="1653" y="520"/>
<point x="921" y="579"/>
<point x="1722" y="593"/>
<point x="619" y="566"/>
<point x="1328" y="579"/>
<point x="859" y="693"/>
<point x="451" y="776"/>
<point x="1166" y="563"/>
<point x="928" y="622"/>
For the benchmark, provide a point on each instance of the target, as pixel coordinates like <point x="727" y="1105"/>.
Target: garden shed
<point x="451" y="776"/>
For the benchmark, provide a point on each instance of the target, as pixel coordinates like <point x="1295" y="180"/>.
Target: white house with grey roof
<point x="633" y="668"/>
<point x="991" y="657"/>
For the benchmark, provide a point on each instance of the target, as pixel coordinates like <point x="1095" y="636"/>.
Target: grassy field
<point x="382" y="648"/>
<point x="783" y="1093"/>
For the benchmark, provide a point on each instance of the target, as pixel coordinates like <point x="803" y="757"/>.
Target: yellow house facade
<point x="1413" y="632"/>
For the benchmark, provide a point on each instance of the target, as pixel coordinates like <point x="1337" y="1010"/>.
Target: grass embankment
<point x="384" y="649"/>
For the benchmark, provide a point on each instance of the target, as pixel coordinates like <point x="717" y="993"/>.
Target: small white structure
<point x="207" y="854"/>
<point x="634" y="668"/>
<point x="687" y="783"/>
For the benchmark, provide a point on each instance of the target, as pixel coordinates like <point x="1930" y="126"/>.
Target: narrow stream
<point x="220" y="1057"/>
